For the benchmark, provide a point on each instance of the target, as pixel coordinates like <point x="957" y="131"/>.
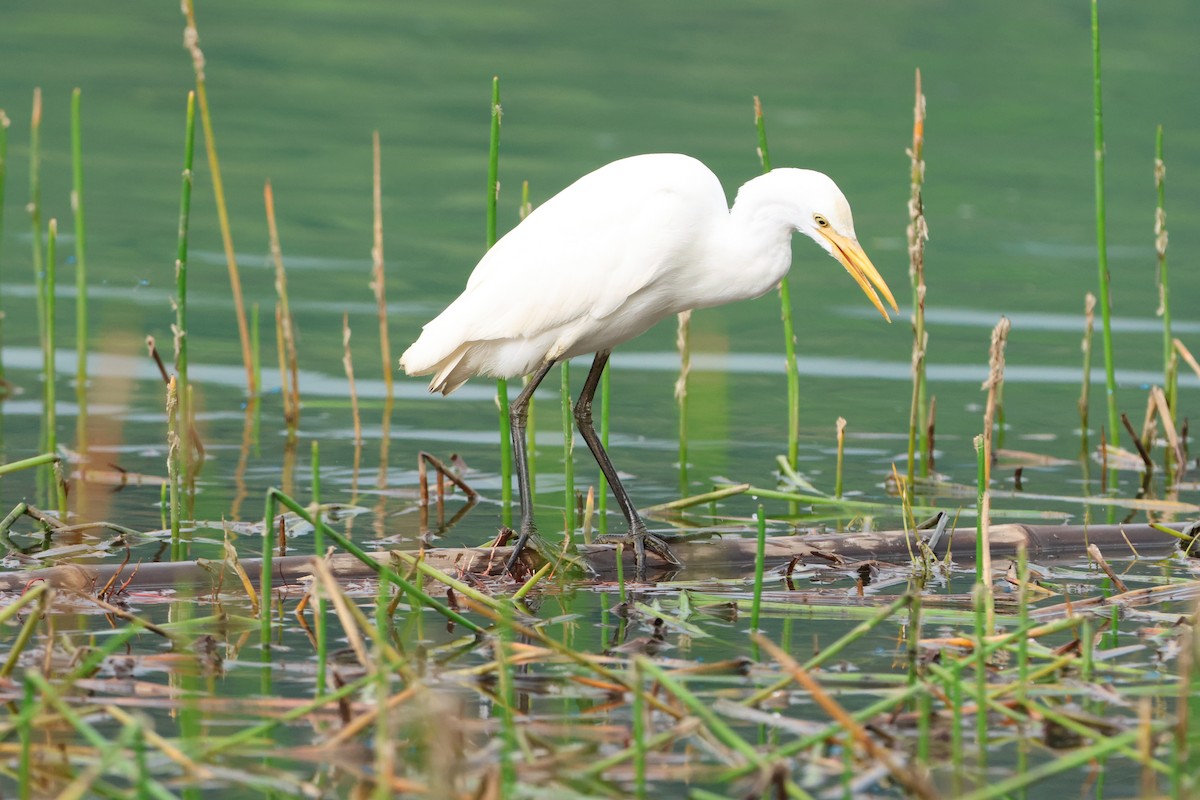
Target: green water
<point x="297" y="88"/>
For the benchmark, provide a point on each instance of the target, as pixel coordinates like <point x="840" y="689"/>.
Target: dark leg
<point x="518" y="415"/>
<point x="637" y="529"/>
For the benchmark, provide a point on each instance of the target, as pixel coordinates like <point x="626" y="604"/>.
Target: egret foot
<point x="642" y="540"/>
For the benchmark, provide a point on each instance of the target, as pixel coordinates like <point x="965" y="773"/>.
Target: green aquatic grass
<point x="918" y="233"/>
<point x="493" y="195"/>
<point x="35" y="206"/>
<point x="785" y="303"/>
<point x="81" y="292"/>
<point x="1105" y="296"/>
<point x="181" y="283"/>
<point x="191" y="38"/>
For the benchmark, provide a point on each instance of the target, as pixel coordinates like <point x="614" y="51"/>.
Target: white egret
<point x="622" y="248"/>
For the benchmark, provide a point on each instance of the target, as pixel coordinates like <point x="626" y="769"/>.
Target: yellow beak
<point x="850" y="253"/>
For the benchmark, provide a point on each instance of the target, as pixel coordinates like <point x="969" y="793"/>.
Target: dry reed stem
<point x="993" y="385"/>
<point x="324" y="581"/>
<point x="348" y="364"/>
<point x="378" y="284"/>
<point x="1187" y="356"/>
<point x="283" y="316"/>
<point x="191" y="42"/>
<point x="1095" y="555"/>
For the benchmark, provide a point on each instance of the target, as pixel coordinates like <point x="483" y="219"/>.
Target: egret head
<point x="813" y="205"/>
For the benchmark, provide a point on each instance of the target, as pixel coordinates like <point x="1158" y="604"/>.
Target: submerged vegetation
<point x="837" y="644"/>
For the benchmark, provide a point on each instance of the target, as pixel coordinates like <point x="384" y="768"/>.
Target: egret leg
<point x="518" y="415"/>
<point x="638" y="534"/>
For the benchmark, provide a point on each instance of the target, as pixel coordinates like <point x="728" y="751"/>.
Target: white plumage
<point x="622" y="248"/>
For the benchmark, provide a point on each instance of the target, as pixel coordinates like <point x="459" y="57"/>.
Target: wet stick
<point x="191" y="41"/>
<point x="918" y="233"/>
<point x="785" y="301"/>
<point x="1101" y="232"/>
<point x="81" y="309"/>
<point x="378" y="282"/>
<point x="684" y="345"/>
<point x="493" y="195"/>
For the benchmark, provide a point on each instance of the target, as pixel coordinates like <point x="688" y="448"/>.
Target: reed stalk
<point x="50" y="367"/>
<point x="288" y="360"/>
<point x="1170" y="360"/>
<point x="568" y="431"/>
<point x="785" y="302"/>
<point x="348" y="365"/>
<point x="684" y="344"/>
<point x="378" y="282"/>
<point x="191" y="41"/>
<point x="1089" y="325"/>
<point x="173" y="464"/>
<point x="1101" y="231"/>
<point x="317" y="589"/>
<point x="35" y="206"/>
<point x="4" y="123"/>
<point x="841" y="457"/>
<point x="81" y="307"/>
<point x="638" y="733"/>
<point x="24" y="726"/>
<point x="759" y="563"/>
<point x="983" y="608"/>
<point x="994" y="385"/>
<point x="531" y="420"/>
<point x="918" y="234"/>
<point x="493" y="196"/>
<point x="181" y="275"/>
<point x="266" y="606"/>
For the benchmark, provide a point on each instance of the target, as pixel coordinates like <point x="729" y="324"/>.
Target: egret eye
<point x="821" y="221"/>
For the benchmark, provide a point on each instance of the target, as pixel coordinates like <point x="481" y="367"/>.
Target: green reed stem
<point x="759" y="562"/>
<point x="638" y="711"/>
<point x="24" y="725"/>
<point x="265" y="592"/>
<point x="81" y="308"/>
<point x="318" y="593"/>
<point x="568" y="449"/>
<point x="981" y="697"/>
<point x="510" y="747"/>
<point x="918" y="233"/>
<point x="4" y="123"/>
<point x="50" y="367"/>
<point x="192" y="43"/>
<point x="28" y="463"/>
<point x="980" y="488"/>
<point x="493" y="195"/>
<point x="531" y="420"/>
<point x="1101" y="232"/>
<point x="785" y="302"/>
<point x="181" y="264"/>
